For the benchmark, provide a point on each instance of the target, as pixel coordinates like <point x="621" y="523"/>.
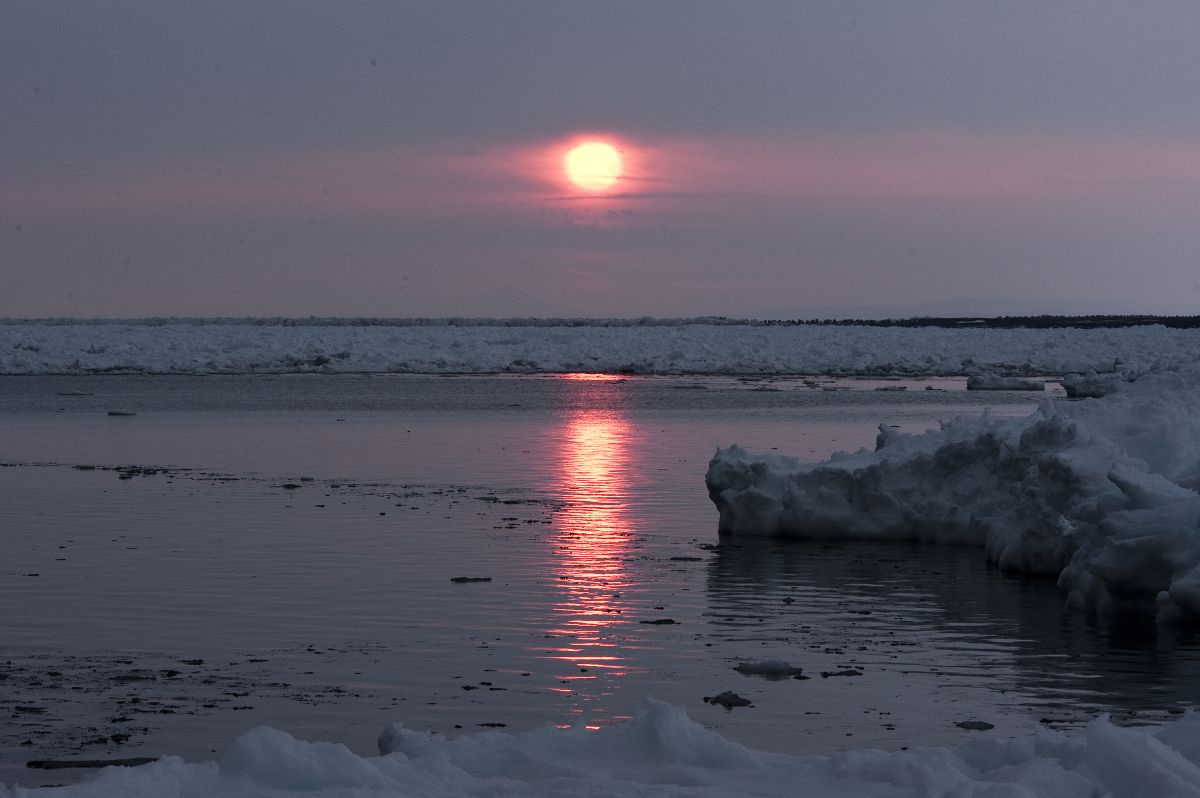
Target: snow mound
<point x="661" y="752"/>
<point x="1101" y="493"/>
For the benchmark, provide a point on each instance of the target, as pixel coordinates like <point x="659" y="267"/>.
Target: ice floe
<point x="661" y="752"/>
<point x="1101" y="493"/>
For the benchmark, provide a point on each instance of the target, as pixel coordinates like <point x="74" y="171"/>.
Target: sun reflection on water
<point x="592" y="539"/>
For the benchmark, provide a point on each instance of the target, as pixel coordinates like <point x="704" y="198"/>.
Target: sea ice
<point x="661" y="752"/>
<point x="695" y="346"/>
<point x="1101" y="493"/>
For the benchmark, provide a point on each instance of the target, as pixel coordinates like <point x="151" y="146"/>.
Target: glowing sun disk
<point x="593" y="165"/>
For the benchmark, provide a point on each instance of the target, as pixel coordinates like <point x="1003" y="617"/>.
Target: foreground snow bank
<point x="1100" y="492"/>
<point x="179" y="347"/>
<point x="663" y="753"/>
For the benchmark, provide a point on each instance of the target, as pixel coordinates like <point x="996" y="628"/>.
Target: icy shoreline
<point x="1101" y="493"/>
<point x="662" y="752"/>
<point x="180" y="347"/>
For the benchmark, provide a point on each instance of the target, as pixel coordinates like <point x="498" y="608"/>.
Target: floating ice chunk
<point x="1101" y="493"/>
<point x="770" y="669"/>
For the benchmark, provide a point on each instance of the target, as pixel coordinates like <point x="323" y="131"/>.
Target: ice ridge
<point x="1101" y="493"/>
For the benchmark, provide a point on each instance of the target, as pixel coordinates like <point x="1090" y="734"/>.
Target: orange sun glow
<point x="593" y="165"/>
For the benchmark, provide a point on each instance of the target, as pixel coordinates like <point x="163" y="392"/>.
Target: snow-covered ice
<point x="1089" y="385"/>
<point x="1100" y="492"/>
<point x="646" y="347"/>
<point x="661" y="752"/>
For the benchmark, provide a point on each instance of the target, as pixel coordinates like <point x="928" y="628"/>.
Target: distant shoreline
<point x="1038" y="322"/>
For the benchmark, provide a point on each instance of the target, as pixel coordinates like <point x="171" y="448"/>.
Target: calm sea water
<point x="283" y="550"/>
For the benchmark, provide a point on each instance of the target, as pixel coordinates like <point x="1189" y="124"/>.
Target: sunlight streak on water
<point x="592" y="539"/>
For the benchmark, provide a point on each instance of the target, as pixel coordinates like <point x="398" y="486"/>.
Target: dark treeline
<point x="1034" y="322"/>
<point x="951" y="322"/>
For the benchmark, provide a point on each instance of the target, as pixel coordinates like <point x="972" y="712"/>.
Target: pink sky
<point x="398" y="183"/>
<point x="795" y="205"/>
<point x="781" y="158"/>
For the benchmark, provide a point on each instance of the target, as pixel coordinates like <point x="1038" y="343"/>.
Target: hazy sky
<point x="239" y="157"/>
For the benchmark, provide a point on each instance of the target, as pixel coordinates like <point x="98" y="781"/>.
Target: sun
<point x="593" y="165"/>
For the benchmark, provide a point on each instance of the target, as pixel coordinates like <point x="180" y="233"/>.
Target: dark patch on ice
<point x="846" y="672"/>
<point x="660" y="622"/>
<point x="465" y="579"/>
<point x="133" y="676"/>
<point x="62" y="764"/>
<point x="729" y="700"/>
<point x="974" y="725"/>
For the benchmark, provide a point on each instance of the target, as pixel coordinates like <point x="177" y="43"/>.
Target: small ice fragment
<point x="769" y="669"/>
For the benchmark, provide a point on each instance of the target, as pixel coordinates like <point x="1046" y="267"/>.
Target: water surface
<point x="281" y="550"/>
